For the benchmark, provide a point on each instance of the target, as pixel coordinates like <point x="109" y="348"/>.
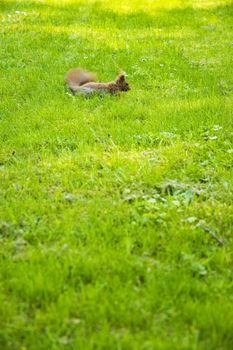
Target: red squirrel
<point x="80" y="81"/>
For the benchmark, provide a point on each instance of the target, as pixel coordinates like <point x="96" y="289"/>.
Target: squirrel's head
<point x="122" y="83"/>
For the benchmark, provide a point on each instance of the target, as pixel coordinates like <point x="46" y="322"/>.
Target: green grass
<point x="116" y="213"/>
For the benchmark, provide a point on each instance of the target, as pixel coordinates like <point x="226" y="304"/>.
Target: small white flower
<point x="151" y="200"/>
<point x="217" y="127"/>
<point x="212" y="138"/>
<point x="191" y="219"/>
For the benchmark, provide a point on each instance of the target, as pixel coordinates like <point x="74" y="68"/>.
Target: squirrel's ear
<point x="121" y="78"/>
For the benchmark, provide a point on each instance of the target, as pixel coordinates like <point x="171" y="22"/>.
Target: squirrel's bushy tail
<point x="77" y="77"/>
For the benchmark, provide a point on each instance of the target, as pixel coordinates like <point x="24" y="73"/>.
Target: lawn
<point x="116" y="213"/>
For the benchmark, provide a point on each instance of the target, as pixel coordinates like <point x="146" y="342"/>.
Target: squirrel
<point x="80" y="81"/>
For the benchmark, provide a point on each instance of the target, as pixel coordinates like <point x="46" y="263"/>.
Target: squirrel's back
<point x="77" y="77"/>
